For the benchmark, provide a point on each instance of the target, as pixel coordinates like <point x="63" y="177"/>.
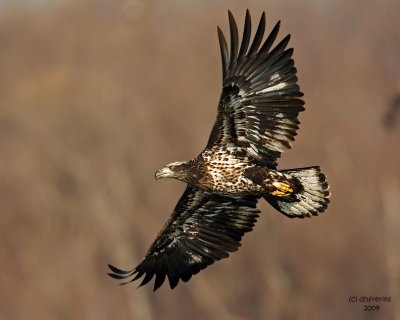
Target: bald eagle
<point x="256" y="121"/>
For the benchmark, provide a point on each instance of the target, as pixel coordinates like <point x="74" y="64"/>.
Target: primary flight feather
<point x="256" y="122"/>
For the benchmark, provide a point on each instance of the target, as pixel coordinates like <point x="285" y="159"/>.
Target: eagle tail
<point x="304" y="194"/>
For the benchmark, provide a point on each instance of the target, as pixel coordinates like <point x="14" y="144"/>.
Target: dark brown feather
<point x="202" y="229"/>
<point x="260" y="103"/>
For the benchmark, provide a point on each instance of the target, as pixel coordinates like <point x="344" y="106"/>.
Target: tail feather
<point x="310" y="193"/>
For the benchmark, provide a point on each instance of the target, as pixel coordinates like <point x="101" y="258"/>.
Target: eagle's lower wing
<point x="260" y="102"/>
<point x="202" y="229"/>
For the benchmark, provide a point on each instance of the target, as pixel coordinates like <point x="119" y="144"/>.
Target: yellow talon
<point x="283" y="189"/>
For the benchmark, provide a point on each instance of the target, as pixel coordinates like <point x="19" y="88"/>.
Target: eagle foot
<point x="282" y="189"/>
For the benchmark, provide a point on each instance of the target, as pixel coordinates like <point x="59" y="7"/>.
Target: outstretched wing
<point x="202" y="229"/>
<point x="260" y="102"/>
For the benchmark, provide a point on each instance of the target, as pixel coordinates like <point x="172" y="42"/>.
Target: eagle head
<point x="179" y="170"/>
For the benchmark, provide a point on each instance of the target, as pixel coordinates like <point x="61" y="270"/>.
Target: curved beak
<point x="163" y="173"/>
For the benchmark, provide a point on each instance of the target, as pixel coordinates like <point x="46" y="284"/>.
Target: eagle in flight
<point x="256" y="121"/>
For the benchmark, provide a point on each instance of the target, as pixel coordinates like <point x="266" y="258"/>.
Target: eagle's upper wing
<point x="202" y="229"/>
<point x="260" y="102"/>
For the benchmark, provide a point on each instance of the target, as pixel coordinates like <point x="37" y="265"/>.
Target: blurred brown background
<point x="97" y="95"/>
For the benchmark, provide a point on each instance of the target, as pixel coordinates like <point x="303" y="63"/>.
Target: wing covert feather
<point x="260" y="100"/>
<point x="203" y="228"/>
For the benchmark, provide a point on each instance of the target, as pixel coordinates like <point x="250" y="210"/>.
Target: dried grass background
<point x="97" y="95"/>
